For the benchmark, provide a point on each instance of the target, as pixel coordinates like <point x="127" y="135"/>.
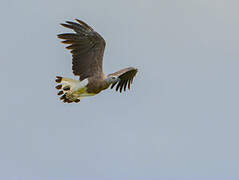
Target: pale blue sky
<point x="179" y="121"/>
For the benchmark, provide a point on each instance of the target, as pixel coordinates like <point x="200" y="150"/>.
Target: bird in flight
<point x="87" y="49"/>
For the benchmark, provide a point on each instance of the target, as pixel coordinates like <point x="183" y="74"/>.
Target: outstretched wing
<point x="87" y="48"/>
<point x="126" y="77"/>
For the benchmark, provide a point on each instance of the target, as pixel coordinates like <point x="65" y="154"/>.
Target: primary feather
<point x="87" y="48"/>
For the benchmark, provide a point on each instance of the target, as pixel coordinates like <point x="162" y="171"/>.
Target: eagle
<point x="87" y="49"/>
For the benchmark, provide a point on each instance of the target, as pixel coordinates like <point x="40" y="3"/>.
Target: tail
<point x="66" y="88"/>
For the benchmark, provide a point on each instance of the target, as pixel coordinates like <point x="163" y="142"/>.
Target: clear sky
<point x="179" y="121"/>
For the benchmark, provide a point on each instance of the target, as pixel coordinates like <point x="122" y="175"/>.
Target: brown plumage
<point x="87" y="48"/>
<point x="126" y="78"/>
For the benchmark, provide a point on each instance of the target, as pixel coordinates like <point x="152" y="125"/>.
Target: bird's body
<point x="87" y="48"/>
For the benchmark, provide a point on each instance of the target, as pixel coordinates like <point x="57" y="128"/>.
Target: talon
<point x="77" y="100"/>
<point x="59" y="86"/>
<point x="63" y="97"/>
<point x="60" y="93"/>
<point x="66" y="88"/>
<point x="58" y="79"/>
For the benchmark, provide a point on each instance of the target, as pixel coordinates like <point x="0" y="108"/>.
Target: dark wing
<point x="126" y="78"/>
<point x="87" y="48"/>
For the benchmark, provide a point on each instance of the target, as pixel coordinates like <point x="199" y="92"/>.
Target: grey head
<point x="112" y="79"/>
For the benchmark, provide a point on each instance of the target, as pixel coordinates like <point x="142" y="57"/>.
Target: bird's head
<point x="112" y="79"/>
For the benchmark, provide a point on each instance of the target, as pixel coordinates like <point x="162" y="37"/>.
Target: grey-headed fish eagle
<point x="87" y="49"/>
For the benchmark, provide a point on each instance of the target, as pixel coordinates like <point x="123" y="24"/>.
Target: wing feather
<point x="87" y="48"/>
<point x="126" y="77"/>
